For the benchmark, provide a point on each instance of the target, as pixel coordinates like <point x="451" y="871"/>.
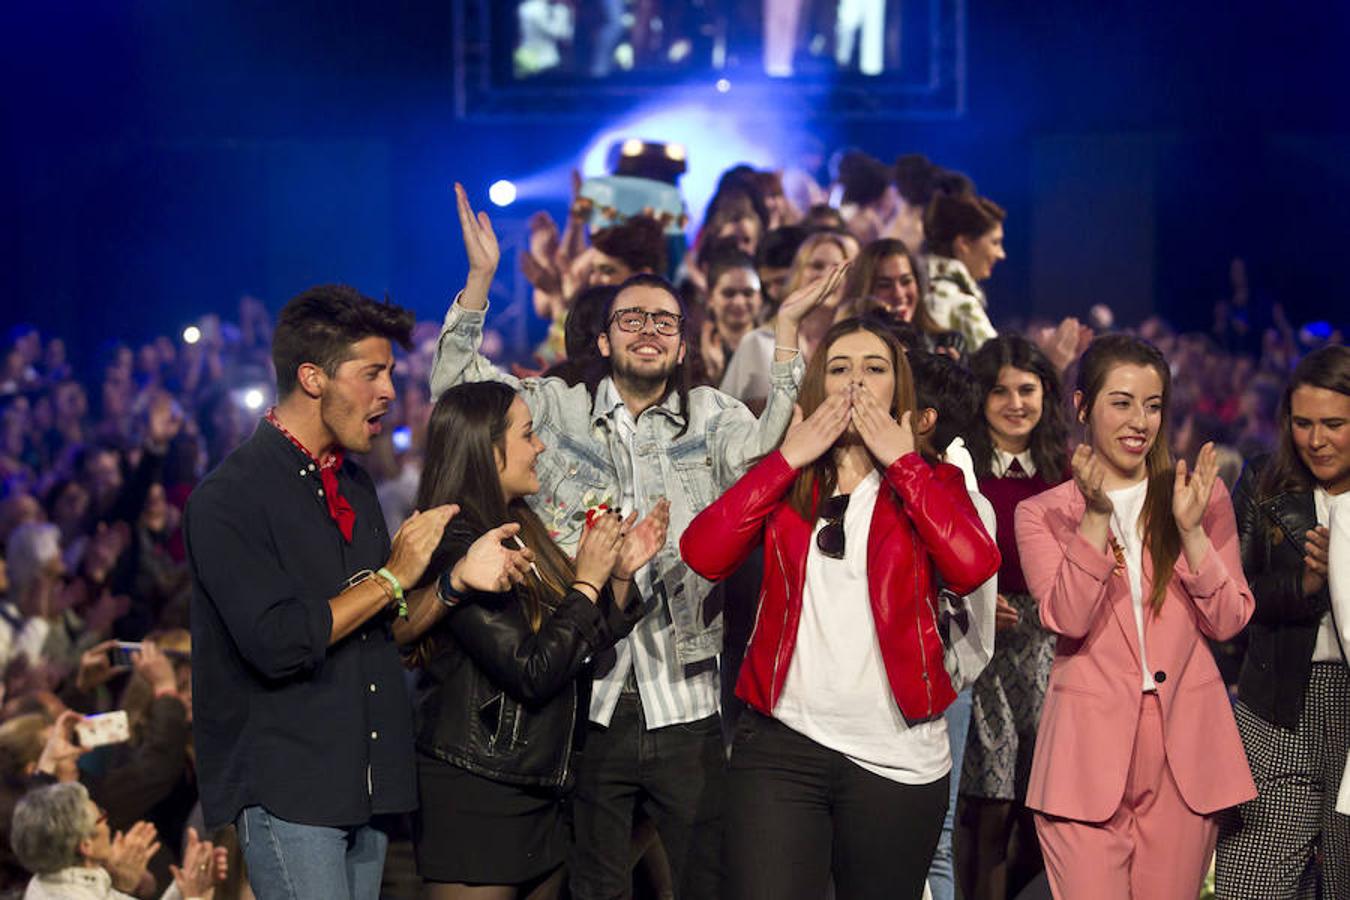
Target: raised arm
<point x="1216" y="585"/>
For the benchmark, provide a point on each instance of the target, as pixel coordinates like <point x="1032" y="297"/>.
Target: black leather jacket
<point x="506" y="702"/>
<point x="1284" y="626"/>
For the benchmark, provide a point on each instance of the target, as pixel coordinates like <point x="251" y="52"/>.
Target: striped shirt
<point x="671" y="693"/>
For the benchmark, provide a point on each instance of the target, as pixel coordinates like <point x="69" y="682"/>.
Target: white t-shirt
<point x="1128" y="505"/>
<point x="837" y="691"/>
<point x="1327" y="647"/>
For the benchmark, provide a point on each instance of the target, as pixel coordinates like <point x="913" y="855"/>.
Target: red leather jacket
<point x="925" y="519"/>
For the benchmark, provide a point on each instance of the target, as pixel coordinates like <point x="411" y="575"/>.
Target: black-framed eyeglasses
<point x="634" y="319"/>
<point x="830" y="539"/>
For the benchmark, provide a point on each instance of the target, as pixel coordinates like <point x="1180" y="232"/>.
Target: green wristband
<point x="398" y="590"/>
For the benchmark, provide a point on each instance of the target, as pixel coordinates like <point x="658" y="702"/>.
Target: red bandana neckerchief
<point x="338" y="508"/>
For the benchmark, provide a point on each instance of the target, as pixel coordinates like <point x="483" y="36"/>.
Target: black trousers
<point x="676" y="775"/>
<point x="799" y="813"/>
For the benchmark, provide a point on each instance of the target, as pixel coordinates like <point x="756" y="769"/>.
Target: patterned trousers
<point x="1276" y="846"/>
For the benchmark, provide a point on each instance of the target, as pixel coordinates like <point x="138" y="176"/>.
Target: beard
<point x="641" y="381"/>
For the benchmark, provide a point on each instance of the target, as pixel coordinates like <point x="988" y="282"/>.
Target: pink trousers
<point x="1152" y="848"/>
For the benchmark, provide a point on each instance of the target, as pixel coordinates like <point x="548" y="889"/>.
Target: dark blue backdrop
<point x="161" y="158"/>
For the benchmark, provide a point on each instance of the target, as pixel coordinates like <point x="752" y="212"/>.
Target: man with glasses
<point x="642" y="434"/>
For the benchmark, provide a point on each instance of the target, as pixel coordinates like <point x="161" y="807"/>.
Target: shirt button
<point x="320" y="492"/>
<point x="374" y="735"/>
<point x="311" y="467"/>
<point x="1160" y="676"/>
<point x="372" y="688"/>
<point x="302" y="473"/>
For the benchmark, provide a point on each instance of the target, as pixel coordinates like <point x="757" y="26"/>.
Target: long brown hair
<point x="465" y="436"/>
<point x="862" y="279"/>
<point x="819" y="479"/>
<point x="1328" y="368"/>
<point x="1160" y="529"/>
<point x="1049" y="444"/>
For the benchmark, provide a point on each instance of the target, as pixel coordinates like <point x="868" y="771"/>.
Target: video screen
<point x="636" y="40"/>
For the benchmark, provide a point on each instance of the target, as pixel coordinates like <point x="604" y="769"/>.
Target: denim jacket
<point x="586" y="463"/>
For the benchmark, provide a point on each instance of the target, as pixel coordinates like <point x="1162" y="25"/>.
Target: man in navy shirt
<point x="303" y="726"/>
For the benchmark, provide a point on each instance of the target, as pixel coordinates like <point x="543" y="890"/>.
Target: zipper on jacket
<point x="567" y="746"/>
<point x="918" y="622"/>
<point x="782" y="632"/>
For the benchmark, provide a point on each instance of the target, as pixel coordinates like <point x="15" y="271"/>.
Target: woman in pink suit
<point x="1137" y="748"/>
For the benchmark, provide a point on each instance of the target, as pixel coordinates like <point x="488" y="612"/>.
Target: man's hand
<point x="489" y="565"/>
<point x="416" y="539"/>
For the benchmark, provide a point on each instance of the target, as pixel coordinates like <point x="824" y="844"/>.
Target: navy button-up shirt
<point x="314" y="734"/>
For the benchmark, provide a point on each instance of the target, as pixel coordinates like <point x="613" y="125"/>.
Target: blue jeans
<point x="290" y="861"/>
<point x="941" y="877"/>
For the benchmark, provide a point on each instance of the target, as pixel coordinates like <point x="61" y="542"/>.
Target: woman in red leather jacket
<point x="840" y="767"/>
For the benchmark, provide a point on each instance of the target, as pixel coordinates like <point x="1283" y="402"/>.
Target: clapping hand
<point x="130" y="855"/>
<point x="642" y="540"/>
<point x="598" y="552"/>
<point x="1089" y="474"/>
<point x="490" y="566"/>
<point x="204" y="865"/>
<point x="1190" y="493"/>
<point x="1315" y="553"/>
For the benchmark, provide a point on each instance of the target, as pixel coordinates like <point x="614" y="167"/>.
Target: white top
<point x="670" y="692"/>
<point x="1003" y="459"/>
<point x="747" y="374"/>
<point x="1127" y="505"/>
<point x="1327" y="647"/>
<point x="837" y="692"/>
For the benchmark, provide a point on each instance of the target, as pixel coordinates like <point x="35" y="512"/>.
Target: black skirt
<point x="473" y="830"/>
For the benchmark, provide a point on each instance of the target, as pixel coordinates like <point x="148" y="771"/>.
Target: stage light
<point x="192" y="334"/>
<point x="502" y="193"/>
<point x="254" y="399"/>
<point x="723" y="85"/>
<point x="633" y="147"/>
<point x="675" y="152"/>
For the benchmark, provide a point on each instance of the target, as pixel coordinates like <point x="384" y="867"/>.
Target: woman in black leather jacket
<point x="502" y="674"/>
<point x="1293" y="708"/>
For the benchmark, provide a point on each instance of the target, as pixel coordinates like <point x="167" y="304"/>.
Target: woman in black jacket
<point x="503" y="674"/>
<point x="1293" y="706"/>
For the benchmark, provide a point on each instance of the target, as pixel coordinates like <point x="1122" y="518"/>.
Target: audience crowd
<point x="98" y="458"/>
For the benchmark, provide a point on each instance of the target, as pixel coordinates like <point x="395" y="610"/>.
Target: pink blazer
<point x="1087" y="730"/>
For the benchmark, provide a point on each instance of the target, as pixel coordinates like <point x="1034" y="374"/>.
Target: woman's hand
<point x="204" y="865"/>
<point x="642" y="540"/>
<point x="810" y="438"/>
<point x="1315" y="560"/>
<point x="1190" y="495"/>
<point x="819" y="292"/>
<point x="130" y="855"/>
<point x="151" y="664"/>
<point x="1089" y="474"/>
<point x="489" y="565"/>
<point x="598" y="552"/>
<point x="1005" y="614"/>
<point x="885" y="439"/>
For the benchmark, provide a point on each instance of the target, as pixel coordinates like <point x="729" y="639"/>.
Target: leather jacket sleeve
<point x="937" y="503"/>
<point x="535" y="666"/>
<point x="720" y="538"/>
<point x="1278" y="588"/>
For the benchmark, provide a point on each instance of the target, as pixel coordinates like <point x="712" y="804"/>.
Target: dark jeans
<point x="676" y="775"/>
<point x="799" y="813"/>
